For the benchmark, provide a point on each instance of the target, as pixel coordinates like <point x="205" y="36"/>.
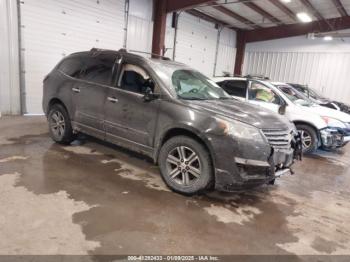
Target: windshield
<point x="295" y="96"/>
<point x="192" y="85"/>
<point x="314" y="94"/>
<point x="307" y="91"/>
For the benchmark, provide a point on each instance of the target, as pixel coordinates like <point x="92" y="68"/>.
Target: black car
<point x="199" y="136"/>
<point x="322" y="101"/>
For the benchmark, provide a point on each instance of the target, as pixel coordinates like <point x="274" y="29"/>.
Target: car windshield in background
<point x="315" y="94"/>
<point x="295" y="96"/>
<point x="193" y="85"/>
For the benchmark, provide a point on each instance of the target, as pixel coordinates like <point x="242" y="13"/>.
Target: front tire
<point x="185" y="165"/>
<point x="60" y="127"/>
<point x="308" y="137"/>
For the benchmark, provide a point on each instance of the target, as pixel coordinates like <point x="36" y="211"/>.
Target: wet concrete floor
<point x="95" y="198"/>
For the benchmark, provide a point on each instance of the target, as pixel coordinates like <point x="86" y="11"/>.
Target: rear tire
<point x="308" y="137"/>
<point x="185" y="165"/>
<point x="60" y="127"/>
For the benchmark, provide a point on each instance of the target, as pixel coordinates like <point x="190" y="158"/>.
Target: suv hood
<point x="324" y="111"/>
<point x="250" y="114"/>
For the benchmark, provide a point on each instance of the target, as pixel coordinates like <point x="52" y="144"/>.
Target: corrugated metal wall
<point x="52" y="29"/>
<point x="326" y="72"/>
<point x="322" y="65"/>
<point x="9" y="65"/>
<point x="196" y="44"/>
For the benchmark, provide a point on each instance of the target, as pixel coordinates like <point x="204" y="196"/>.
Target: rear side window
<point x="71" y="66"/>
<point x="235" y="88"/>
<point x="97" y="69"/>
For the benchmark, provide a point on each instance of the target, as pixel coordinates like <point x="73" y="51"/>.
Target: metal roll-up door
<point x="52" y="29"/>
<point x="196" y="42"/>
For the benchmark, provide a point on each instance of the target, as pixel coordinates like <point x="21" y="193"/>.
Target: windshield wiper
<point x="193" y="98"/>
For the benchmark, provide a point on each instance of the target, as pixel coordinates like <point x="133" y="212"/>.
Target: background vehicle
<point x="191" y="127"/>
<point x="312" y="121"/>
<point x="322" y="101"/>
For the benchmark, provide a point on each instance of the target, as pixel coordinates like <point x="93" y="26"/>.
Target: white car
<point x="319" y="126"/>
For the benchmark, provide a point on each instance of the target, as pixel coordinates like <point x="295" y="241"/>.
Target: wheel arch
<point x="300" y="122"/>
<point x="54" y="101"/>
<point x="183" y="131"/>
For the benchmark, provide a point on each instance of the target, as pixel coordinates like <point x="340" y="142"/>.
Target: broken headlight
<point x="240" y="130"/>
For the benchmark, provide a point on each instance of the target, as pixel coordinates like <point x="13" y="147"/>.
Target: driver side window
<point x="260" y="92"/>
<point x="133" y="79"/>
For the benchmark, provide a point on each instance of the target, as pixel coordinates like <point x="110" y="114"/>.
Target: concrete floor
<point x="93" y="198"/>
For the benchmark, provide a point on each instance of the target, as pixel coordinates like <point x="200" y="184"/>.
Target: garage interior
<point x="94" y="198"/>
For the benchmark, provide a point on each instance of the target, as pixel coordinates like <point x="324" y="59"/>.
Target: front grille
<point x="278" y="139"/>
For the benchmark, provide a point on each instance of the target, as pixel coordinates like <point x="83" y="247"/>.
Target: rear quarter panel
<point x="59" y="86"/>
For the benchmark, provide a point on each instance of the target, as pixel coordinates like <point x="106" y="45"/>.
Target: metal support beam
<point x="159" y="26"/>
<point x="262" y="12"/>
<point x="235" y="15"/>
<point x="284" y="9"/>
<point x="176" y="5"/>
<point x="312" y="9"/>
<point x="240" y="50"/>
<point x="206" y="17"/>
<point x="340" y="7"/>
<point x="284" y="31"/>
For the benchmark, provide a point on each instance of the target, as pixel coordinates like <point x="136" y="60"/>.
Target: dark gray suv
<point x="200" y="137"/>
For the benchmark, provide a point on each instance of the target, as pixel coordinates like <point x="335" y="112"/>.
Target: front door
<point x="259" y="94"/>
<point x="129" y="119"/>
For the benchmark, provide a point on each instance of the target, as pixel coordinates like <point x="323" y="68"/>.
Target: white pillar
<point x="9" y="58"/>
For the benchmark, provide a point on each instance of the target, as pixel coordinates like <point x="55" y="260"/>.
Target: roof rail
<point x="148" y="53"/>
<point x="257" y="77"/>
<point x="124" y="50"/>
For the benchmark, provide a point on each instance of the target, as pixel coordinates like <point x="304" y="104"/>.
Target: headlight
<point x="240" y="130"/>
<point x="332" y="122"/>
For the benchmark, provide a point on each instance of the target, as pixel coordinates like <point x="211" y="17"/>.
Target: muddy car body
<point x="135" y="102"/>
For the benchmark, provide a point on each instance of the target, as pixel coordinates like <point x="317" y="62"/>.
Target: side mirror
<point x="282" y="109"/>
<point x="149" y="95"/>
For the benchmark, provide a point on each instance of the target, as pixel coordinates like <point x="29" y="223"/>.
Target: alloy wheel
<point x="183" y="165"/>
<point x="306" y="139"/>
<point x="58" y="124"/>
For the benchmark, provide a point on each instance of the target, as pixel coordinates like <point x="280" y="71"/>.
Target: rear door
<point x="89" y="94"/>
<point x="236" y="88"/>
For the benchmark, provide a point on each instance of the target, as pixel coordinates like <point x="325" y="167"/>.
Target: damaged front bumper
<point x="332" y="138"/>
<point x="255" y="172"/>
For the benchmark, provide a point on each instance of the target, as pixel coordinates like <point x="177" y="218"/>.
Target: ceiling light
<point x="328" y="38"/>
<point x="304" y="17"/>
<point x="286" y="1"/>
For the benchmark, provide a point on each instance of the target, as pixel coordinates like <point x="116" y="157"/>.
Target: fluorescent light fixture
<point x="286" y="1"/>
<point x="328" y="38"/>
<point x="304" y="17"/>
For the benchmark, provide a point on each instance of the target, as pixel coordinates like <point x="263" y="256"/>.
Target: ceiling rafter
<point x="234" y="15"/>
<point x="284" y="8"/>
<point x="176" y="5"/>
<point x="312" y="9"/>
<point x="262" y="12"/>
<point x="340" y="7"/>
<point x="208" y="18"/>
<point x="284" y="31"/>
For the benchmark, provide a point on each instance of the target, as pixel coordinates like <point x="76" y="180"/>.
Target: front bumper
<point x="332" y="138"/>
<point x="254" y="173"/>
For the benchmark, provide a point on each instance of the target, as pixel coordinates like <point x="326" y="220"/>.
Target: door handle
<point x="76" y="90"/>
<point x="112" y="99"/>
